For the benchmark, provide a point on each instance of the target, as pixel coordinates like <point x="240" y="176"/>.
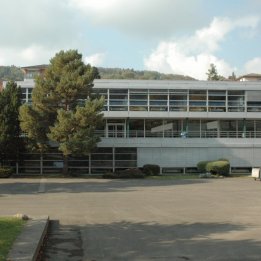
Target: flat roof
<point x="35" y="67"/>
<point x="166" y="84"/>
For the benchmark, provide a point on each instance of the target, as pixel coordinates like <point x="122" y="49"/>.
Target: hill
<point x="8" y="73"/>
<point x="118" y="73"/>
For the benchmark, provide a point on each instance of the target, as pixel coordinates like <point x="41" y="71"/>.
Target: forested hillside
<point x="15" y="73"/>
<point x="117" y="73"/>
<point x="8" y="73"/>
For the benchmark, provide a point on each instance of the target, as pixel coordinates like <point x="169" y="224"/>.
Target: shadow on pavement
<point x="152" y="241"/>
<point x="85" y="186"/>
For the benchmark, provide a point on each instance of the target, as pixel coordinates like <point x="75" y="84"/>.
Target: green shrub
<point x="151" y="169"/>
<point x="5" y="172"/>
<point x="109" y="175"/>
<point x="218" y="167"/>
<point x="222" y="159"/>
<point x="125" y="174"/>
<point x="202" y="166"/>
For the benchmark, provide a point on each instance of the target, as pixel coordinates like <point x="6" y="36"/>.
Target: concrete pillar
<point x="17" y="168"/>
<point x="244" y="129"/>
<point x="41" y="164"/>
<point x="90" y="163"/>
<point x="113" y="159"/>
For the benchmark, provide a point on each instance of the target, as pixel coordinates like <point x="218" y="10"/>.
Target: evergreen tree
<point x="66" y="83"/>
<point x="213" y="74"/>
<point x="10" y="140"/>
<point x="232" y="77"/>
<point x="74" y="130"/>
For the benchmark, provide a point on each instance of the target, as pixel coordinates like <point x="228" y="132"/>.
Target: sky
<point x="169" y="36"/>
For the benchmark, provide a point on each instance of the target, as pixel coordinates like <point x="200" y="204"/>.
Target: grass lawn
<point x="9" y="230"/>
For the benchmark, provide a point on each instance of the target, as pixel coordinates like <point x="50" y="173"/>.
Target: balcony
<point x="206" y="134"/>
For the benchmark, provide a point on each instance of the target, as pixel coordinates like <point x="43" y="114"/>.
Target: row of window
<point x="180" y="100"/>
<point x="100" y="160"/>
<point x="174" y="100"/>
<point x="203" y="128"/>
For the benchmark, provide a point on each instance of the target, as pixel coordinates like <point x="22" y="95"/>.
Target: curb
<point x="28" y="244"/>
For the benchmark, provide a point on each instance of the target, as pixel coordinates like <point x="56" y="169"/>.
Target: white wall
<point x="189" y="157"/>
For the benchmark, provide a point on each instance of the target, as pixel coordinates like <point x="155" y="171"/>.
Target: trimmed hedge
<point x="151" y="169"/>
<point x="202" y="166"/>
<point x="218" y="167"/>
<point x="5" y="172"/>
<point x="125" y="174"/>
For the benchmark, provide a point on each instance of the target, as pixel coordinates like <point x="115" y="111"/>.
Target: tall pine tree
<point x="55" y="110"/>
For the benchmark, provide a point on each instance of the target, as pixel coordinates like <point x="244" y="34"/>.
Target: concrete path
<point x="105" y="220"/>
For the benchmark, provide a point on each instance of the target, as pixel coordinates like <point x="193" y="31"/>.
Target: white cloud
<point x="144" y="18"/>
<point x="40" y="22"/>
<point x="253" y="66"/>
<point x="169" y="58"/>
<point x="193" y="55"/>
<point x="34" y="54"/>
<point x="95" y="59"/>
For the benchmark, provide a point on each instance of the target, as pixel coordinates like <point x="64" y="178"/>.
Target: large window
<point x="193" y="129"/>
<point x="125" y="158"/>
<point x="178" y="100"/>
<point x="236" y="101"/>
<point x="138" y="100"/>
<point x="217" y="101"/>
<point x="173" y="128"/>
<point x="228" y="129"/>
<point x="158" y="100"/>
<point x="118" y="100"/>
<point x="154" y="128"/>
<point x="197" y="100"/>
<point x="253" y="101"/>
<point x="136" y="128"/>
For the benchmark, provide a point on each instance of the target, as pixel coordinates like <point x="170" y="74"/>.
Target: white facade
<point x="175" y="124"/>
<point x="194" y="121"/>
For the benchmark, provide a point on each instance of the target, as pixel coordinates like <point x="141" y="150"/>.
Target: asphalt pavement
<point x="96" y="219"/>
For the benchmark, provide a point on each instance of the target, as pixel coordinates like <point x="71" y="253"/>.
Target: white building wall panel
<point x="189" y="157"/>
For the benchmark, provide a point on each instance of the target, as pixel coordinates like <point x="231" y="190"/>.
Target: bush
<point x="218" y="167"/>
<point x="5" y="172"/>
<point x="125" y="174"/>
<point x="222" y="159"/>
<point x="151" y="170"/>
<point x="202" y="166"/>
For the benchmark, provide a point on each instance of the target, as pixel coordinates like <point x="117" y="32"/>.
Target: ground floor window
<point x="102" y="160"/>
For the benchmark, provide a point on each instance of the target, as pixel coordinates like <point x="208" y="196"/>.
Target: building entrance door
<point x="116" y="130"/>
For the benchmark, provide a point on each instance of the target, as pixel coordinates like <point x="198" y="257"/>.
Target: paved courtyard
<point x="95" y="219"/>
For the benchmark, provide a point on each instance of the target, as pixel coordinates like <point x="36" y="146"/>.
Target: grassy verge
<point x="10" y="228"/>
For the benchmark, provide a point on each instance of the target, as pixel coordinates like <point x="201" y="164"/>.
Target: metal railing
<point x="179" y="134"/>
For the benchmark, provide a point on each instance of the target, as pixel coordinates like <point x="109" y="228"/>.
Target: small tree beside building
<point x="10" y="139"/>
<point x="62" y="110"/>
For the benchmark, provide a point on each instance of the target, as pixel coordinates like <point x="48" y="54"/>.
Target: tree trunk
<point x="65" y="165"/>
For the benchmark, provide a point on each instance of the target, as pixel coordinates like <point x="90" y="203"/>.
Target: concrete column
<point x="113" y="159"/>
<point x="41" y="164"/>
<point x="90" y="163"/>
<point x="244" y="128"/>
<point x="17" y="168"/>
<point x="127" y="126"/>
